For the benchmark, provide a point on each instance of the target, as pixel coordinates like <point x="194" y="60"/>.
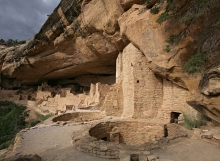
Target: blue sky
<point x="22" y="19"/>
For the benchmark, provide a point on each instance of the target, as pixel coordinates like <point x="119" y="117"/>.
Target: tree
<point x="2" y="42"/>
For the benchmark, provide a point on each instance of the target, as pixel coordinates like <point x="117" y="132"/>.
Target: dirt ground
<point x="189" y="149"/>
<point x="53" y="143"/>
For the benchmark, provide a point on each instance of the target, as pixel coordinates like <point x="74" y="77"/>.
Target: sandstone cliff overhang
<point x="82" y="39"/>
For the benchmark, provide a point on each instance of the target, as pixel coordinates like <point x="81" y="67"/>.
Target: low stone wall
<point x="79" y="116"/>
<point x="99" y="149"/>
<point x="129" y="132"/>
<point x="175" y="131"/>
<point x="103" y="139"/>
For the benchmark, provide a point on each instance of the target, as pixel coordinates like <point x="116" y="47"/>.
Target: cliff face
<point x="82" y="39"/>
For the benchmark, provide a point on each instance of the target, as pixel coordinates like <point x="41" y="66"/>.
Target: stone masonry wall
<point x="129" y="132"/>
<point x="148" y="92"/>
<point x="113" y="103"/>
<point x="139" y="132"/>
<point x="129" y="56"/>
<point x="142" y="90"/>
<point x="174" y="100"/>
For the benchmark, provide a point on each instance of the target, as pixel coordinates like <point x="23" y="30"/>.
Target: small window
<point x="134" y="157"/>
<point x="174" y="117"/>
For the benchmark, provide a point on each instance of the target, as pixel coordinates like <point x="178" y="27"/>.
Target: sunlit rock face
<point x="82" y="40"/>
<point x="77" y="39"/>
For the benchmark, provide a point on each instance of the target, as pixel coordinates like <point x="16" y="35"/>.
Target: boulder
<point x="216" y="136"/>
<point x="207" y="135"/>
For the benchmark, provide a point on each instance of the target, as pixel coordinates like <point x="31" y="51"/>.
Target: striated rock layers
<point x="119" y="41"/>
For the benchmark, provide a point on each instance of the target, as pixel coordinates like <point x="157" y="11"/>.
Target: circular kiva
<point x="106" y="139"/>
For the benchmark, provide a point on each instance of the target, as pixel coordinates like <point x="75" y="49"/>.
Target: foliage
<point x="196" y="63"/>
<point x="35" y="122"/>
<point x="185" y="18"/>
<point x="155" y="10"/>
<point x="174" y="39"/>
<point x="6" y="144"/>
<point x="44" y="117"/>
<point x="12" y="120"/>
<point x="190" y="122"/>
<point x="2" y="42"/>
<point x="40" y="118"/>
<point x="182" y="12"/>
<point x="163" y="17"/>
<point x="11" y="42"/>
<point x="197" y="9"/>
<point x="167" y="49"/>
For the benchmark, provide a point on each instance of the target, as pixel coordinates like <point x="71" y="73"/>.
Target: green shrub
<point x="35" y="122"/>
<point x="11" y="42"/>
<point x="190" y="122"/>
<point x="174" y="39"/>
<point x="44" y="117"/>
<point x="185" y="18"/>
<point x="155" y="10"/>
<point x="40" y="118"/>
<point x="199" y="8"/>
<point x="6" y="144"/>
<point x="195" y="63"/>
<point x="167" y="49"/>
<point x="12" y="120"/>
<point x="163" y="17"/>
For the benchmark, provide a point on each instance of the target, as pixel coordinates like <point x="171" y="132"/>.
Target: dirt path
<point x="53" y="143"/>
<point x="189" y="149"/>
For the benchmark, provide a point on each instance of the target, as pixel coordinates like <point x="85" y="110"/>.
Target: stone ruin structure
<point x="47" y="99"/>
<point x="111" y="54"/>
<point x="143" y="103"/>
<point x="137" y="93"/>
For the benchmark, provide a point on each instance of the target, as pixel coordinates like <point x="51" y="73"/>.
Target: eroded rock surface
<point x="82" y="39"/>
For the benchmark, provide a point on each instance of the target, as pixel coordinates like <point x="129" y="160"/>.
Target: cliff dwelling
<point x="123" y="76"/>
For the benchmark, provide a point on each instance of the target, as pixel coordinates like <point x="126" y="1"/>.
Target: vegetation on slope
<point x="12" y="120"/>
<point x="188" y="13"/>
<point x="39" y="118"/>
<point x="196" y="63"/>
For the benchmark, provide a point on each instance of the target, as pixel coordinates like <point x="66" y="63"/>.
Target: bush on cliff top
<point x="11" y="42"/>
